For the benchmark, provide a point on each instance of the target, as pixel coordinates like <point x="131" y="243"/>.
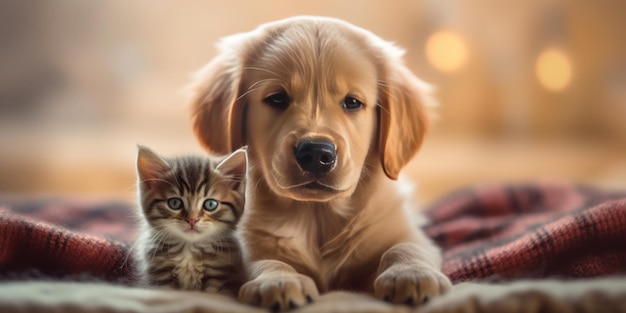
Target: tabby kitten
<point x="189" y="209"/>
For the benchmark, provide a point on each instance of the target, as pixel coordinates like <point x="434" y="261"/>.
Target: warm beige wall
<point x="82" y="81"/>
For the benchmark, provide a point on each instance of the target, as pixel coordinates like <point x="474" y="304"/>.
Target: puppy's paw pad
<point x="412" y="285"/>
<point x="279" y="292"/>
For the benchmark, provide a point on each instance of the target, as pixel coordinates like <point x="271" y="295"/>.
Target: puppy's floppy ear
<point x="217" y="115"/>
<point x="403" y="117"/>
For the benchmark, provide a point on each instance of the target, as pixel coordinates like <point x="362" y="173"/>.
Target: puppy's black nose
<point x="316" y="155"/>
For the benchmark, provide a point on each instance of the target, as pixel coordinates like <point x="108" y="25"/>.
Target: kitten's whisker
<point x="128" y="253"/>
<point x="157" y="179"/>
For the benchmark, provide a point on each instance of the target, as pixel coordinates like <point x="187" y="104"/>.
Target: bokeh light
<point x="554" y="69"/>
<point x="446" y="51"/>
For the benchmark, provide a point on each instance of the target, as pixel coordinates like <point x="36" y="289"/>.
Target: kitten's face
<point x="190" y="198"/>
<point x="192" y="215"/>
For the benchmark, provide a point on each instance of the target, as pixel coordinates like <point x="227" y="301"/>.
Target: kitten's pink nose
<point x="192" y="222"/>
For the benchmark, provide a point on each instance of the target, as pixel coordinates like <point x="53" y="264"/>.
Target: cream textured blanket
<point x="599" y="295"/>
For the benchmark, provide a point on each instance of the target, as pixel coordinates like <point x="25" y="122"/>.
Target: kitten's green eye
<point x="175" y="203"/>
<point x="210" y="204"/>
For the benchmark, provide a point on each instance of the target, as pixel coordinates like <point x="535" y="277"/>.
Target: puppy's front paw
<point x="279" y="292"/>
<point x="410" y="284"/>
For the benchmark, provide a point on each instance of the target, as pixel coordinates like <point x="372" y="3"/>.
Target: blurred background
<point x="527" y="90"/>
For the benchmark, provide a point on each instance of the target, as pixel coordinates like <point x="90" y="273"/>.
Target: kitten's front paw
<point x="410" y="284"/>
<point x="279" y="292"/>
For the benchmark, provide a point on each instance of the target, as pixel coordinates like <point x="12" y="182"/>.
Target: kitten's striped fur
<point x="189" y="209"/>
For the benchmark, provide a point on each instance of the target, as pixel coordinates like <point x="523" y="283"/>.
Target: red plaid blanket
<point x="499" y="232"/>
<point x="56" y="238"/>
<point x="541" y="230"/>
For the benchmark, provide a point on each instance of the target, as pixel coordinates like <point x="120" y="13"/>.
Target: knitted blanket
<point x="68" y="239"/>
<point x="530" y="231"/>
<point x="491" y="234"/>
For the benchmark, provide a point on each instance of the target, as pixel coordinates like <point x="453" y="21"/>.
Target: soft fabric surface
<point x="581" y="296"/>
<point x="33" y="244"/>
<point x="487" y="234"/>
<point x="541" y="230"/>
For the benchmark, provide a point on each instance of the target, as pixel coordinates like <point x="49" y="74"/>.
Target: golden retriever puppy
<point x="330" y="115"/>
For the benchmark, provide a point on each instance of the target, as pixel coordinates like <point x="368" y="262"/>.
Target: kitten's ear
<point x="150" y="166"/>
<point x="234" y="165"/>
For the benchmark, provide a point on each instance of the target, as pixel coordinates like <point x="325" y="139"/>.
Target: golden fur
<point x="356" y="232"/>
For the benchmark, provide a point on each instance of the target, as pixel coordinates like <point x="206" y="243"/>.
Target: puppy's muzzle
<point x="316" y="155"/>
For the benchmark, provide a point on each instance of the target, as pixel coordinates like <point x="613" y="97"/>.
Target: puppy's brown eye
<point x="351" y="104"/>
<point x="279" y="101"/>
